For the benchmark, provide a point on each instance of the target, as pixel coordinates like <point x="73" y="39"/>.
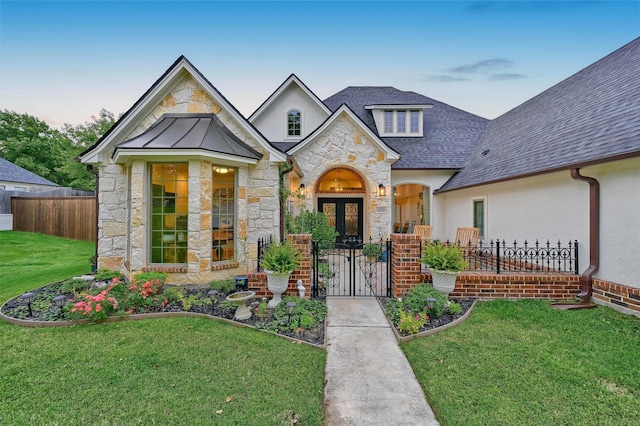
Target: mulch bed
<point x="315" y="335"/>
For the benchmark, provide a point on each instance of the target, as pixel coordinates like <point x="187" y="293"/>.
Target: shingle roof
<point x="450" y="134"/>
<point x="591" y="117"/>
<point x="12" y="173"/>
<point x="191" y="131"/>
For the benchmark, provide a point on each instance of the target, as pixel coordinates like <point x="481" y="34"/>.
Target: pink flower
<point x="98" y="307"/>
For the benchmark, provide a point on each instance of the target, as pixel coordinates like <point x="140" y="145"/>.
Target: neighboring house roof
<point x="191" y="131"/>
<point x="591" y="117"/>
<point x="292" y="79"/>
<point x="10" y="172"/>
<point x="154" y="95"/>
<point x="449" y="135"/>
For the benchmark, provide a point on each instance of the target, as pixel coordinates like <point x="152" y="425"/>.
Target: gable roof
<point x="10" y="172"/>
<point x="178" y="70"/>
<point x="591" y="117"/>
<point x="344" y="109"/>
<point x="292" y="79"/>
<point x="190" y="131"/>
<point x="449" y="136"/>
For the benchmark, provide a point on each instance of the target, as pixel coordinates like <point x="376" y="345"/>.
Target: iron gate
<point x="352" y="268"/>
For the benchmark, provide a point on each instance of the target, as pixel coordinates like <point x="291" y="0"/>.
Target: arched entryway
<point x="340" y="195"/>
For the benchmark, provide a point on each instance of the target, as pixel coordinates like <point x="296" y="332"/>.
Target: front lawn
<point x="525" y="363"/>
<point x="179" y="371"/>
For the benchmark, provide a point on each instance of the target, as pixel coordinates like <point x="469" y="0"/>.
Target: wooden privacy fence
<point x="67" y="217"/>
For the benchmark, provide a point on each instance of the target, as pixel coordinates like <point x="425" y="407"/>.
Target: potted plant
<point x="445" y="262"/>
<point x="278" y="261"/>
<point x="372" y="251"/>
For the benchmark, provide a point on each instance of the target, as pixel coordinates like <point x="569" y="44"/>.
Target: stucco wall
<point x="343" y="144"/>
<point x="555" y="206"/>
<point x="619" y="220"/>
<point x="272" y="123"/>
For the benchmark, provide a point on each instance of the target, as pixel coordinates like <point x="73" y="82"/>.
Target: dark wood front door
<point x="345" y="214"/>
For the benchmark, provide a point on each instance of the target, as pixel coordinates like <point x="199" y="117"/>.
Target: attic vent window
<point x="293" y="122"/>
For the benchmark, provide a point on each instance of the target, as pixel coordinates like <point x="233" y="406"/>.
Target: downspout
<point x="283" y="193"/>
<point x="594" y="233"/>
<point x="95" y="173"/>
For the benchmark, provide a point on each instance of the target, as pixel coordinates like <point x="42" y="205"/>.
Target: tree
<point x="33" y="145"/>
<point x="82" y="137"/>
<point x="51" y="153"/>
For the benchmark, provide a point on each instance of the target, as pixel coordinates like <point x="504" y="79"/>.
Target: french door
<point x="345" y="214"/>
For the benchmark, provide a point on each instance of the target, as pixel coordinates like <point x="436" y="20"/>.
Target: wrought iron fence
<point x="498" y="256"/>
<point x="263" y="244"/>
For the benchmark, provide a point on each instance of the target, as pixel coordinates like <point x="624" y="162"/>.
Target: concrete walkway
<point x="368" y="379"/>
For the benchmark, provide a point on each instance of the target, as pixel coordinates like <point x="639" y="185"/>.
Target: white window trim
<point x="379" y="112"/>
<point x="483" y="235"/>
<point x="286" y="135"/>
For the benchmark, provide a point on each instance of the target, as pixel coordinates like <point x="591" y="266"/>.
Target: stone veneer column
<point x="405" y="263"/>
<point x="194" y="246"/>
<point x="138" y="213"/>
<point x="112" y="217"/>
<point x="204" y="232"/>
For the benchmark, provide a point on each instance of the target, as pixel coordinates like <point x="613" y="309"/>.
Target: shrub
<point x="411" y="323"/>
<point x="372" y="250"/>
<point x="150" y="276"/>
<point x="314" y="223"/>
<point x="416" y="299"/>
<point x="99" y="306"/>
<point x="280" y="258"/>
<point x="103" y="274"/>
<point x="443" y="257"/>
<point x="454" y="308"/>
<point x="74" y="286"/>
<point x="224" y="286"/>
<point x="173" y="294"/>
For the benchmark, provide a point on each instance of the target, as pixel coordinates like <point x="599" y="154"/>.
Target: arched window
<point x="293" y="122"/>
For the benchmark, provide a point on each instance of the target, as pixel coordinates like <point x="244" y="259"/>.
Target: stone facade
<point x="123" y="202"/>
<point x="344" y="144"/>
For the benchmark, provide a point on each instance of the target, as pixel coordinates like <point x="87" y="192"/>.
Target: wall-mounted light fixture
<point x="302" y="190"/>
<point x="381" y="190"/>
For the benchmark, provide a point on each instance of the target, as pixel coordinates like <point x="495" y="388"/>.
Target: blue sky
<point x="64" y="61"/>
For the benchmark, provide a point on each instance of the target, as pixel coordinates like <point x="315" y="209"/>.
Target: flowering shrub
<point x="99" y="306"/>
<point x="411" y="323"/>
<point x="143" y="295"/>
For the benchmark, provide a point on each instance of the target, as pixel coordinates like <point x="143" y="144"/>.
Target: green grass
<point x="29" y="260"/>
<point x="525" y="363"/>
<point x="177" y="371"/>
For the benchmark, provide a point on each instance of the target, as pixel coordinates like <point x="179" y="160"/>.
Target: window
<point x="402" y="122"/>
<point x="478" y="216"/>
<point x="20" y="188"/>
<point x="3" y="187"/>
<point x="293" y="123"/>
<point x="415" y="126"/>
<point x="388" y="121"/>
<point x="169" y="212"/>
<point x="223" y="213"/>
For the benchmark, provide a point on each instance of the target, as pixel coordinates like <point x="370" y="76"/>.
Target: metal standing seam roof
<point x="590" y="117"/>
<point x="10" y="172"/>
<point x="449" y="137"/>
<point x="191" y="131"/>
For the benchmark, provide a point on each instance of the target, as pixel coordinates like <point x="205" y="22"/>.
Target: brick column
<point x="302" y="242"/>
<point x="405" y="263"/>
